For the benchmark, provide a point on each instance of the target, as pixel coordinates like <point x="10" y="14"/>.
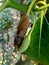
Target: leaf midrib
<point x="42" y="13"/>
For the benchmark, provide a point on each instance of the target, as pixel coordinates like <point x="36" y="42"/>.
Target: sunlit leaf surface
<point x="38" y="51"/>
<point x="34" y="52"/>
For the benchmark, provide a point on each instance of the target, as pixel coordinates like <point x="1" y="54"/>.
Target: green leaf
<point x="47" y="1"/>
<point x="39" y="51"/>
<point x="47" y="14"/>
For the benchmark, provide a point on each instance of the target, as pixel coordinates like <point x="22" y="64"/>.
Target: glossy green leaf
<point x="47" y="14"/>
<point x="39" y="51"/>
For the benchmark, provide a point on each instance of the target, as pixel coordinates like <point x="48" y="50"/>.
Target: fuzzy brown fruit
<point x="21" y="31"/>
